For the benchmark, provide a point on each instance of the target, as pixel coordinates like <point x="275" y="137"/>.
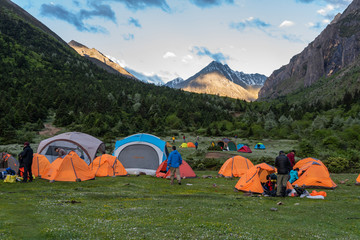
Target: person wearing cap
<point x="27" y="157"/>
<point x="283" y="165"/>
<point x="61" y="152"/>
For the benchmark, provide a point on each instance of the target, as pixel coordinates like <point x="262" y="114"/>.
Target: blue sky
<point x="166" y="39"/>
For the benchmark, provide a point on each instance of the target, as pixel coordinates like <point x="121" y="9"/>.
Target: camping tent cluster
<point x="187" y="145"/>
<point x="312" y="174"/>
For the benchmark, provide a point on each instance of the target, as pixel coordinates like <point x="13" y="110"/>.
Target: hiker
<point x="196" y="145"/>
<point x="291" y="156"/>
<point x="174" y="162"/>
<point x="294" y="175"/>
<point x="270" y="185"/>
<point x="184" y="138"/>
<point x="197" y="138"/>
<point x="283" y="165"/>
<point x="26" y="157"/>
<point x="173" y="139"/>
<point x="61" y="152"/>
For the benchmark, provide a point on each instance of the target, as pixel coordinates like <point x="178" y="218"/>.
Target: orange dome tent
<point x="235" y="167"/>
<point x="71" y="168"/>
<point x="305" y="161"/>
<point x="358" y="180"/>
<point x="252" y="179"/>
<point x="185" y="170"/>
<point x="107" y="165"/>
<point x="314" y="175"/>
<point x="39" y="165"/>
<point x="190" y="145"/>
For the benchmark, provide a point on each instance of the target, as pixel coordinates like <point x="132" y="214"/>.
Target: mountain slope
<point x="99" y="59"/>
<point x="219" y="79"/>
<point x="41" y="75"/>
<point x="336" y="48"/>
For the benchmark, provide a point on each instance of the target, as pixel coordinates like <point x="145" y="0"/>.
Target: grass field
<point x="145" y="207"/>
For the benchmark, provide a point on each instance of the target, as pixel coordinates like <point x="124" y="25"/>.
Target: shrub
<point x="337" y="164"/>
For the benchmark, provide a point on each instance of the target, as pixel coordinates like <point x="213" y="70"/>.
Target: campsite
<point x="205" y="207"/>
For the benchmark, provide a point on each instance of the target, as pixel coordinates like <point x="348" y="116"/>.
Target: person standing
<point x="173" y="139"/>
<point x="283" y="165"/>
<point x="27" y="157"/>
<point x="196" y="145"/>
<point x="174" y="162"/>
<point x="184" y="138"/>
<point x="291" y="156"/>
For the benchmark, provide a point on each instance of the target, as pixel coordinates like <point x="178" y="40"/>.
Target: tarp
<point x="39" y="165"/>
<point x="107" y="165"/>
<point x="141" y="153"/>
<point x="259" y="146"/>
<point x="185" y="170"/>
<point x="314" y="175"/>
<point x="71" y="168"/>
<point x="252" y="179"/>
<point x="245" y="149"/>
<point x="84" y="145"/>
<point x="235" y="167"/>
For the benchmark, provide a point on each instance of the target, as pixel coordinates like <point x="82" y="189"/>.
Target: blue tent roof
<point x="259" y="146"/>
<point x="143" y="137"/>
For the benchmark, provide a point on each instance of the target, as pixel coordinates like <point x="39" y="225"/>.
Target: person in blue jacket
<point x="174" y="162"/>
<point x="294" y="175"/>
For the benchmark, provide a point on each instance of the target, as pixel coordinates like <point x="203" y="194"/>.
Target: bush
<point x="306" y="149"/>
<point x="337" y="164"/>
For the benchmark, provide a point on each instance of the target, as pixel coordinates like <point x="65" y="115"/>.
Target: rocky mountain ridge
<point x="219" y="79"/>
<point x="99" y="59"/>
<point x="337" y="47"/>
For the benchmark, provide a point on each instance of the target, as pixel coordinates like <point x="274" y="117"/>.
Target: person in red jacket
<point x="291" y="157"/>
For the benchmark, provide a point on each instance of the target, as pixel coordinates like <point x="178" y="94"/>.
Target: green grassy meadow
<point x="145" y="207"/>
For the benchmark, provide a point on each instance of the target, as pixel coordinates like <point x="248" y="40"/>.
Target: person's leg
<point x="279" y="184"/>
<point x="25" y="173"/>
<point x="178" y="176"/>
<point x="30" y="172"/>
<point x="172" y="175"/>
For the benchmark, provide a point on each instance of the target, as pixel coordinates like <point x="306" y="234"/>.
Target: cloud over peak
<point x="286" y="23"/>
<point x="203" y="51"/>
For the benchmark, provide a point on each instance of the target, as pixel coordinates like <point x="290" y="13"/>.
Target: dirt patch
<point x="49" y="130"/>
<point x="218" y="155"/>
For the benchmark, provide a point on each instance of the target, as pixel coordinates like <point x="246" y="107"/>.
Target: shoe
<point x="179" y="183"/>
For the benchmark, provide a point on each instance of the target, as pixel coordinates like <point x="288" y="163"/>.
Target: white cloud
<point x="326" y="10"/>
<point x="287" y="23"/>
<point x="169" y="55"/>
<point x="187" y="58"/>
<point x="326" y="21"/>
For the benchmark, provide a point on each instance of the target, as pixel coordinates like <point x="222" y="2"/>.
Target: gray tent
<point x="84" y="145"/>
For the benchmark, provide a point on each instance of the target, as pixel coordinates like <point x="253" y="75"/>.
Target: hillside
<point x="99" y="59"/>
<point x="336" y="49"/>
<point x="219" y="79"/>
<point x="41" y="75"/>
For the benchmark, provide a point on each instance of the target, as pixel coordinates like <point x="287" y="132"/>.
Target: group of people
<point x="285" y="172"/>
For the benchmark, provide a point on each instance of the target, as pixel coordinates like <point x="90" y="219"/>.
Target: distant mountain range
<point x="320" y="69"/>
<point x="220" y="79"/>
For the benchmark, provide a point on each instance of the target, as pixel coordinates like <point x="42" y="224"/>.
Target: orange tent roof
<point x="304" y="161"/>
<point x="185" y="170"/>
<point x="358" y="180"/>
<point x="235" y="167"/>
<point x="252" y="179"/>
<point x="315" y="175"/>
<point x="71" y="168"/>
<point x="190" y="145"/>
<point x="107" y="165"/>
<point x="39" y="165"/>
